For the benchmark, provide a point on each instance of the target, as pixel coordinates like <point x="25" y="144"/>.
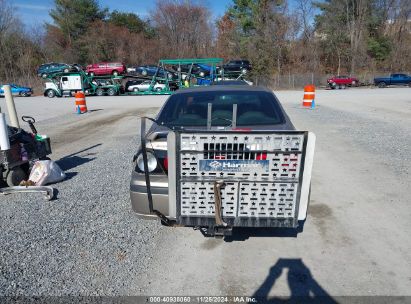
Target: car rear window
<point x="253" y="108"/>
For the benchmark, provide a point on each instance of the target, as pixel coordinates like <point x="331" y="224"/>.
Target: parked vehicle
<point x="394" y="79"/>
<point x="106" y="68"/>
<point x="78" y="67"/>
<point x="132" y="83"/>
<point x="18" y="90"/>
<point x="53" y="67"/>
<point x="342" y="82"/>
<point x="150" y="70"/>
<point x="197" y="69"/>
<point x="235" y="66"/>
<point x="145" y="86"/>
<point x="236" y="137"/>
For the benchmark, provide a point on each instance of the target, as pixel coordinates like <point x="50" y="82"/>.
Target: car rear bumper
<point x="139" y="199"/>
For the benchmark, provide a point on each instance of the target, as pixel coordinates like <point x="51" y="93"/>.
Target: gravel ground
<point x="88" y="242"/>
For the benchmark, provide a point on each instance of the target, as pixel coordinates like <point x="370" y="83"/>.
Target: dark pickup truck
<point x="394" y="79"/>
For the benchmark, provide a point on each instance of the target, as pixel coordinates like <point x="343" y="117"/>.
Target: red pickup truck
<point x="342" y="81"/>
<point x="106" y="68"/>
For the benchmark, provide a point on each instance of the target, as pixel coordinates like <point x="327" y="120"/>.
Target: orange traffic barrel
<point x="81" y="106"/>
<point x="309" y="95"/>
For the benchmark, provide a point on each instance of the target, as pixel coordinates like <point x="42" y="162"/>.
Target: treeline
<point x="279" y="37"/>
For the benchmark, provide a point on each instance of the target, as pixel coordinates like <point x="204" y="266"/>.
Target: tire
<point x="66" y="70"/>
<point x="136" y="90"/>
<point x="382" y="84"/>
<point x="99" y="92"/>
<point x="14" y="176"/>
<point x="409" y="85"/>
<point x="354" y="83"/>
<point x="111" y="92"/>
<point x="51" y="94"/>
<point x="115" y="73"/>
<point x="144" y="72"/>
<point x="343" y="86"/>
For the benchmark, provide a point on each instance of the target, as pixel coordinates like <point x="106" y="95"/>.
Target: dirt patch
<point x="91" y="126"/>
<point x="211" y="244"/>
<point x="320" y="211"/>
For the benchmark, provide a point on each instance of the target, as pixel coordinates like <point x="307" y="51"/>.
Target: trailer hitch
<point x="47" y="191"/>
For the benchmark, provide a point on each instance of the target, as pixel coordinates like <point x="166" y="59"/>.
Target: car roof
<point x="244" y="88"/>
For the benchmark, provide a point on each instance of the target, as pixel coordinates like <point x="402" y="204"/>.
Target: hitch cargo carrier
<point x="239" y="179"/>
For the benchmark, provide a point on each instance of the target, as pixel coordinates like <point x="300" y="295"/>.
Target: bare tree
<point x="183" y="28"/>
<point x="6" y="16"/>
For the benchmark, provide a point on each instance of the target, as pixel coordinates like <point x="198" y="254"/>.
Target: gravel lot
<point x="88" y="242"/>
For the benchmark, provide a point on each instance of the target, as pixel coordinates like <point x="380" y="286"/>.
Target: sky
<point x="35" y="13"/>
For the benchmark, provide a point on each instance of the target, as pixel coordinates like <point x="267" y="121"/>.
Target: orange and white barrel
<point x="309" y="95"/>
<point x="81" y="106"/>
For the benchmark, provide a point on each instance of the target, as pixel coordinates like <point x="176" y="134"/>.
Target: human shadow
<point x="304" y="288"/>
<point x="244" y="233"/>
<point x="73" y="160"/>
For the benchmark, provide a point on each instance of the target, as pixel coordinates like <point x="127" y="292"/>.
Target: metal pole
<point x="11" y="107"/>
<point x="4" y="134"/>
<point x="234" y="122"/>
<point x="209" y="112"/>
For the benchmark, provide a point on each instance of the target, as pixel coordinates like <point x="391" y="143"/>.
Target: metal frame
<point x="213" y="62"/>
<point x="47" y="191"/>
<point x="236" y="221"/>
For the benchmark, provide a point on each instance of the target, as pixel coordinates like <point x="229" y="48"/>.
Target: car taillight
<point x="261" y="156"/>
<point x="165" y="163"/>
